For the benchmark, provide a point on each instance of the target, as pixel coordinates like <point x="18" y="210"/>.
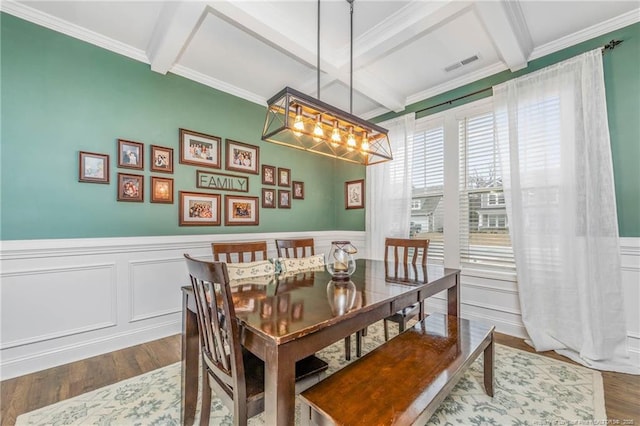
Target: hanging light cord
<point x="318" y="50"/>
<point x="351" y="60"/>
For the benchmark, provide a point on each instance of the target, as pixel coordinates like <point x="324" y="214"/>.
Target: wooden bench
<point x="404" y="380"/>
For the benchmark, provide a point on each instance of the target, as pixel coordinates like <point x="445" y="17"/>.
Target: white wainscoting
<point x="64" y="300"/>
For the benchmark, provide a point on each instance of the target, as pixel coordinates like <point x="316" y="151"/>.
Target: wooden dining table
<point x="299" y="314"/>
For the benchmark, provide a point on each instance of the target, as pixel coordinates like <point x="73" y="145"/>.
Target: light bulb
<point x="317" y="130"/>
<point x="365" y="142"/>
<point x="351" y="140"/>
<point x="335" y="134"/>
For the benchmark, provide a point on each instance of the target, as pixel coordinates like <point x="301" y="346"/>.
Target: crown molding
<point x="27" y="13"/>
<point x="597" y="30"/>
<point x="458" y="82"/>
<point x="217" y="84"/>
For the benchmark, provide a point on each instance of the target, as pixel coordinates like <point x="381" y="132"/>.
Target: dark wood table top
<point x="296" y="303"/>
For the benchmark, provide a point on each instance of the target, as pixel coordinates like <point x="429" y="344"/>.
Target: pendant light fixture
<point x="300" y="121"/>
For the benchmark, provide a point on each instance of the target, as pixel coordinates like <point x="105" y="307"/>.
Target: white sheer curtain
<point x="558" y="179"/>
<point x="388" y="200"/>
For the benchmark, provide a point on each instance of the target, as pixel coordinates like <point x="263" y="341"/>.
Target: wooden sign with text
<point x="221" y="181"/>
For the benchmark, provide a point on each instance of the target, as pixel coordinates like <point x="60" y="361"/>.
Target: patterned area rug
<point x="529" y="390"/>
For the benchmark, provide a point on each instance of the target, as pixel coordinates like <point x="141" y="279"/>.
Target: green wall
<point x="622" y="81"/>
<point x="61" y="95"/>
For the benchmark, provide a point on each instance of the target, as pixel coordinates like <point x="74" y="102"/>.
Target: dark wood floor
<point x="32" y="391"/>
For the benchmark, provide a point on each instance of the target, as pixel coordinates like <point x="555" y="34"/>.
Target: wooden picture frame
<point x="354" y="194"/>
<point x="284" y="199"/>
<point x="268" y="198"/>
<point x="130" y="154"/>
<point x="161" y="159"/>
<point x="161" y="190"/>
<point x="241" y="210"/>
<point x="199" y="209"/>
<point x="130" y="187"/>
<point x="200" y="149"/>
<point x="284" y="177"/>
<point x="242" y="157"/>
<point x="268" y="175"/>
<point x="298" y="190"/>
<point x="93" y="167"/>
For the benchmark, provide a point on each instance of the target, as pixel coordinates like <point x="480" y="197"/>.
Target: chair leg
<point x="205" y="400"/>
<point x="386" y="330"/>
<point x="347" y="348"/>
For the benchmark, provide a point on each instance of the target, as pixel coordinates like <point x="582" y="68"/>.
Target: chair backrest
<point x="302" y="247"/>
<point x="218" y="327"/>
<point x="401" y="248"/>
<point x="235" y="252"/>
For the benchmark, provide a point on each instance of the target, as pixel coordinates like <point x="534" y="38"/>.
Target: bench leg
<point x="358" y="344"/>
<point x="489" y="355"/>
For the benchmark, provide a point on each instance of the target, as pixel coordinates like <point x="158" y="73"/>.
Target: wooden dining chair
<point x="232" y="372"/>
<point x="301" y="247"/>
<point x="239" y="252"/>
<point x="406" y="252"/>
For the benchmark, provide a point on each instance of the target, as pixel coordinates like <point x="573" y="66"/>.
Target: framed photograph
<point x="268" y="175"/>
<point x="161" y="190"/>
<point x="161" y="159"/>
<point x="284" y="177"/>
<point x="199" y="209"/>
<point x="130" y="187"/>
<point x="241" y="210"/>
<point x="200" y="149"/>
<point x="242" y="157"/>
<point x="268" y="198"/>
<point x="93" y="168"/>
<point x="298" y="190"/>
<point x="130" y="154"/>
<point x="284" y="199"/>
<point x="354" y="194"/>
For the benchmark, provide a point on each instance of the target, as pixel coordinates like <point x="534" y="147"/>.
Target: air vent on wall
<point x="461" y="63"/>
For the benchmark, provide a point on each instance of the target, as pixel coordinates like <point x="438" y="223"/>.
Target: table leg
<point x="280" y="393"/>
<point x="190" y="352"/>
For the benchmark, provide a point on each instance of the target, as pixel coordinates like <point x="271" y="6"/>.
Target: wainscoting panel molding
<point x="64" y="300"/>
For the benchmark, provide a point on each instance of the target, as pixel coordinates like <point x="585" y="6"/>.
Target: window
<point x="457" y="196"/>
<point x="427" y="179"/>
<point x="484" y="232"/>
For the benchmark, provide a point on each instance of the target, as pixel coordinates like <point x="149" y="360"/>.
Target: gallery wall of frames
<point x="222" y="197"/>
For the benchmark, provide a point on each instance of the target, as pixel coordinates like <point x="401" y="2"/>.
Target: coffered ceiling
<point x="403" y="51"/>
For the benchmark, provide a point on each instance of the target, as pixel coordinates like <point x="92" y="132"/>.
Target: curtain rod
<point x="609" y="46"/>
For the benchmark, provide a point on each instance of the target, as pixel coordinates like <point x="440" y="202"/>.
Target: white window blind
<point x="427" y="179"/>
<point x="484" y="228"/>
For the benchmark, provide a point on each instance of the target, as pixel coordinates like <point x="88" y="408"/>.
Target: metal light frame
<point x="281" y="117"/>
<point x="303" y="122"/>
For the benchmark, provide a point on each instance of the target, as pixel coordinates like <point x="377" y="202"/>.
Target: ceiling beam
<point x="508" y="30"/>
<point x="176" y="24"/>
<point x="412" y="21"/>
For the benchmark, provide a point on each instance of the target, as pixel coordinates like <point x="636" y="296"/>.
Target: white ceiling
<point x="401" y="48"/>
